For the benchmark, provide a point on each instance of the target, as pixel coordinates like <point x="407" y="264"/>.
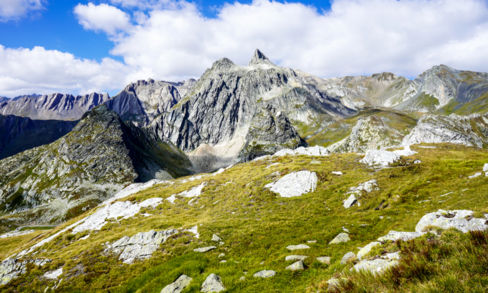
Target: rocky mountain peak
<point x="222" y="64"/>
<point x="259" y="58"/>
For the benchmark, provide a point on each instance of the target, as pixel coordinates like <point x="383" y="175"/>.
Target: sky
<point x="84" y="46"/>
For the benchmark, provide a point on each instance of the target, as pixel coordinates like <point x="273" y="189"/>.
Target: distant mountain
<point x="102" y="154"/>
<point x="19" y="133"/>
<point x="51" y="107"/>
<point x="213" y="119"/>
<point x="142" y="101"/>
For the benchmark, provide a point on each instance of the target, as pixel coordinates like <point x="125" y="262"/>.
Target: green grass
<point x="257" y="225"/>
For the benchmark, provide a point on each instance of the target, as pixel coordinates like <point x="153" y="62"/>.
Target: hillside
<point x="247" y="228"/>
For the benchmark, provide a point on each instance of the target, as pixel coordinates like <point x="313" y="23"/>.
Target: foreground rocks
<point x="177" y="286"/>
<point x="212" y="283"/>
<point x="264" y="274"/>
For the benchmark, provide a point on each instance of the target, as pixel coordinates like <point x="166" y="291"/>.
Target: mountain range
<point x="265" y="132"/>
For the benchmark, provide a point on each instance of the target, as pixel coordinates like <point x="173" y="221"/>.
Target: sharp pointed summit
<point x="259" y="58"/>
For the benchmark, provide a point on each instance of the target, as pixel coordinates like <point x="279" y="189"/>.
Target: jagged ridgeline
<point x="101" y="155"/>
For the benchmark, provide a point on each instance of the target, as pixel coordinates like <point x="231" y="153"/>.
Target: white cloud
<point x="102" y="17"/>
<point x="15" y="9"/>
<point x="37" y="70"/>
<point x="354" y="37"/>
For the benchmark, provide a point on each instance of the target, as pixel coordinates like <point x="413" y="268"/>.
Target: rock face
<point x="18" y="134"/>
<point x="140" y="246"/>
<point x="177" y="286"/>
<point x="269" y="132"/>
<point x="214" y="119"/>
<point x="465" y="130"/>
<point x="212" y="283"/>
<point x="97" y="158"/>
<point x="294" y="184"/>
<point x="52" y="107"/>
<point x="140" y="102"/>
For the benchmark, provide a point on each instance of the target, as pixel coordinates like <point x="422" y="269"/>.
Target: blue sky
<point x="83" y="46"/>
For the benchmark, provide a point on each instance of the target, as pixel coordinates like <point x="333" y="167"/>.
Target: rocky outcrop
<point x="294" y="184"/>
<point x="140" y="246"/>
<point x="52" y="107"/>
<point x="465" y="130"/>
<point x="91" y="163"/>
<point x="461" y="220"/>
<point x="18" y="134"/>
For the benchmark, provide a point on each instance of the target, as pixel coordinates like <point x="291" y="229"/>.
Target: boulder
<point x="212" y="283"/>
<point x="365" y="250"/>
<point x="295" y="257"/>
<point x="297" y="247"/>
<point x="296" y="266"/>
<point x="204" y="249"/>
<point x="461" y="220"/>
<point x="264" y="274"/>
<point x="53" y="275"/>
<point x="375" y="266"/>
<point x="350" y="256"/>
<point x="350" y="201"/>
<point x="294" y="184"/>
<point x="140" y="246"/>
<point x="340" y="238"/>
<point x="324" y="259"/>
<point x="216" y="238"/>
<point x="177" y="286"/>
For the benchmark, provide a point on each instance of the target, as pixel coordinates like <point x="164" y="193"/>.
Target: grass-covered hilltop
<point x="231" y="224"/>
<point x="253" y="178"/>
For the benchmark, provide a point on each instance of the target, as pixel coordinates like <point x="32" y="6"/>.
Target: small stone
<point x="338" y="173"/>
<point x="177" y="286"/>
<point x="204" y="249"/>
<point x="296" y="266"/>
<point x="53" y="275"/>
<point x="477" y="174"/>
<point x="340" y="238"/>
<point x="375" y="266"/>
<point x="212" y="283"/>
<point x="221" y="255"/>
<point x="216" y="238"/>
<point x="417" y="161"/>
<point x="350" y="256"/>
<point x="297" y="247"/>
<point x="295" y="257"/>
<point x="485" y="167"/>
<point x="242" y="278"/>
<point x="264" y="274"/>
<point x="315" y="162"/>
<point x="324" y="259"/>
<point x="311" y="241"/>
<point x="223" y="261"/>
<point x="350" y="201"/>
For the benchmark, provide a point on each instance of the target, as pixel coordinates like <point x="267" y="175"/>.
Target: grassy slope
<point x="256" y="225"/>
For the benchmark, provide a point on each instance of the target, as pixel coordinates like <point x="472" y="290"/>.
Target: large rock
<point x="177" y="286"/>
<point x="375" y="266"/>
<point x="340" y="238"/>
<point x="212" y="283"/>
<point x="383" y="158"/>
<point x="140" y="246"/>
<point x="294" y="184"/>
<point x="461" y="220"/>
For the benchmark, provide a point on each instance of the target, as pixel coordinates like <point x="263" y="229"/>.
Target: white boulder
<point x="213" y="283"/>
<point x="297" y="247"/>
<point x="340" y="238"/>
<point x="294" y="184"/>
<point x="296" y="266"/>
<point x="177" y="286"/>
<point x="461" y="220"/>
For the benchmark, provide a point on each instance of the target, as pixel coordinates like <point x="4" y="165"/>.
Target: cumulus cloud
<point x="354" y="37"/>
<point x="15" y="9"/>
<point x="102" y="17"/>
<point x="37" y="70"/>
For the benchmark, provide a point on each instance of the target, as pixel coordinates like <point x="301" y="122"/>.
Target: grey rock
<point x="140" y="246"/>
<point x="216" y="238"/>
<point x="366" y="249"/>
<point x="177" y="286"/>
<point x="204" y="249"/>
<point x="295" y="257"/>
<point x="11" y="268"/>
<point x="324" y="259"/>
<point x="350" y="201"/>
<point x="461" y="220"/>
<point x="212" y="283"/>
<point x="264" y="274"/>
<point x="396" y="235"/>
<point x="375" y="266"/>
<point x="296" y="266"/>
<point x="294" y="184"/>
<point x="340" y="238"/>
<point x="297" y="247"/>
<point x="348" y="257"/>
